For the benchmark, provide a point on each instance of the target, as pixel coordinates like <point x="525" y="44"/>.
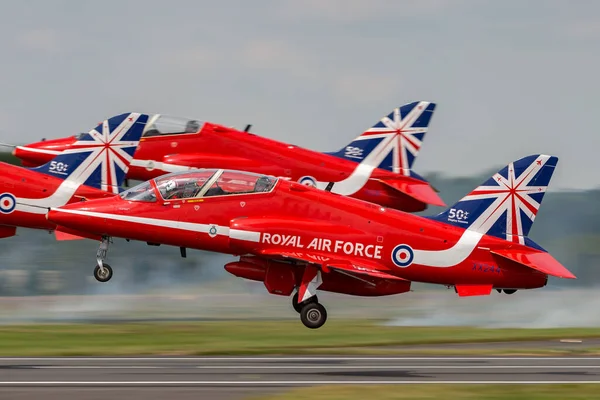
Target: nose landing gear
<point x="103" y="272"/>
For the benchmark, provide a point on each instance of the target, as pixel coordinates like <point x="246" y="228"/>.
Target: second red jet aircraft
<point x="376" y="166"/>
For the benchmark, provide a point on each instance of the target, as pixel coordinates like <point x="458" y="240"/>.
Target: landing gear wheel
<point x="103" y="275"/>
<point x="509" y="291"/>
<point x="298" y="306"/>
<point x="313" y="315"/>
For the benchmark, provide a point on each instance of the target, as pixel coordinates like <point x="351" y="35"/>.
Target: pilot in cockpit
<point x="263" y="184"/>
<point x="188" y="190"/>
<point x="192" y="126"/>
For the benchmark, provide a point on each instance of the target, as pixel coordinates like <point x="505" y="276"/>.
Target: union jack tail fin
<point x="393" y="143"/>
<point x="506" y="204"/>
<point x="101" y="157"/>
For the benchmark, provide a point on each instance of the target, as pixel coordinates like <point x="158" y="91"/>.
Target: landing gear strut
<point x="312" y="314"/>
<point x="299" y="306"/>
<point x="103" y="272"/>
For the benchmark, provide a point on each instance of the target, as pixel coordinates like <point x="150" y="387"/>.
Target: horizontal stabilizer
<point x="418" y="190"/>
<point x="473" y="290"/>
<point x="7" y="231"/>
<point x="66" y="236"/>
<point x="63" y="233"/>
<point x="539" y="261"/>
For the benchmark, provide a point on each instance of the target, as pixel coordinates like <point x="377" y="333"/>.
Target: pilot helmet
<point x="262" y="184"/>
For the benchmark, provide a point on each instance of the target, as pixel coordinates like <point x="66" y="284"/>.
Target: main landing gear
<point x="103" y="272"/>
<point x="312" y="313"/>
<point x="506" y="291"/>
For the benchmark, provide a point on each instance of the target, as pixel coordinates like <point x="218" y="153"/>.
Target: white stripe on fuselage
<point x="165" y="223"/>
<point x="42" y="151"/>
<point x="60" y="197"/>
<point x="428" y="258"/>
<point x="449" y="257"/>
<point x="151" y="165"/>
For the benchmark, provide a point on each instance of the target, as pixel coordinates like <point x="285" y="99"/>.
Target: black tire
<point x="298" y="307"/>
<point x="313" y="315"/>
<point x="103" y="278"/>
<point x="509" y="291"/>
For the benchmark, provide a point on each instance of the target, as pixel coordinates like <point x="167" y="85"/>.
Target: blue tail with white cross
<point x="394" y="142"/>
<point x="101" y="157"/>
<point x="506" y="204"/>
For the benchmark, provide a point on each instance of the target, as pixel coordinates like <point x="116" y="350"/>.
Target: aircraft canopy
<point x="201" y="183"/>
<point x="170" y="125"/>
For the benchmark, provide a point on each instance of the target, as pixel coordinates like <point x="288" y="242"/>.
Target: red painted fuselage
<point x="216" y="146"/>
<point x="27" y="195"/>
<point x="290" y="225"/>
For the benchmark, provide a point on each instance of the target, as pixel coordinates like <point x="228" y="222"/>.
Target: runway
<point x="240" y="377"/>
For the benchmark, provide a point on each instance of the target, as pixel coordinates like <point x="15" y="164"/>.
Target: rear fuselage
<point x="28" y="195"/>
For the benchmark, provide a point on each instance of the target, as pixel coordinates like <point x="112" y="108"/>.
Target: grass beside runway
<point x="437" y="391"/>
<point x="260" y="337"/>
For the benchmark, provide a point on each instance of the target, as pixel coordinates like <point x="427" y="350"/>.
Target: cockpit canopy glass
<point x="183" y="185"/>
<point x="141" y="192"/>
<point x="169" y="125"/>
<point x="201" y="183"/>
<point x="239" y="182"/>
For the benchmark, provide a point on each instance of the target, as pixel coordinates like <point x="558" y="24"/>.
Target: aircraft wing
<point x="342" y="265"/>
<point x="63" y="233"/>
<point x="537" y="260"/>
<point x="421" y="191"/>
<point x="7" y="231"/>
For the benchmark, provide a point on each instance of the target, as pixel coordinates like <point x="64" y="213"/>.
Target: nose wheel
<point x="103" y="272"/>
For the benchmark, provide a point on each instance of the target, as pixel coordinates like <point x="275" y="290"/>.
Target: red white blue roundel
<point x="402" y="255"/>
<point x="308" y="181"/>
<point x="7" y="203"/>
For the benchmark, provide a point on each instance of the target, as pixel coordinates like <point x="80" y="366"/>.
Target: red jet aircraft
<point x="375" y="167"/>
<point x="291" y="236"/>
<point x="93" y="167"/>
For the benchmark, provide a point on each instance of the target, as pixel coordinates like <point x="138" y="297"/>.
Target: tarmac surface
<point x="250" y="377"/>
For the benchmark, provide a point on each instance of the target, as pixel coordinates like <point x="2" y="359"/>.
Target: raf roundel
<point x="308" y="181"/>
<point x="402" y="255"/>
<point x="7" y="203"/>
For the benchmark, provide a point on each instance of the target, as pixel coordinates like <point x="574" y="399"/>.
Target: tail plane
<point x="394" y="142"/>
<point x="505" y="205"/>
<point x="101" y="157"/>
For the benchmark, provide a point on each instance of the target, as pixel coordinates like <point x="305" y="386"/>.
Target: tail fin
<point x="394" y="142"/>
<point x="101" y="157"/>
<point x="506" y="204"/>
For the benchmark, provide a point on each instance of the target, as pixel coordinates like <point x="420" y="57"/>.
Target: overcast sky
<point x="511" y="78"/>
